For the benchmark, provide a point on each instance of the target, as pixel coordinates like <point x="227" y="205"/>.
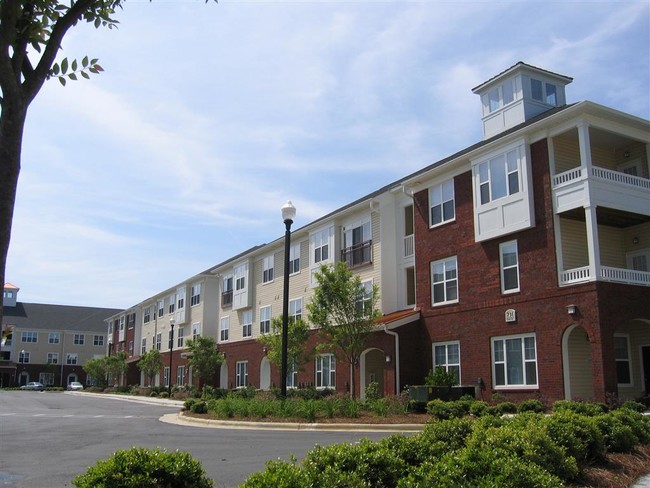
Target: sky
<point x="209" y="117"/>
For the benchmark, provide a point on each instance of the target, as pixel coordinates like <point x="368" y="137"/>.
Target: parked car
<point x="33" y="385"/>
<point x="75" y="386"/>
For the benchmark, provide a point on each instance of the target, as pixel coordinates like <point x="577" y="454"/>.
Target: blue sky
<point x="209" y="117"/>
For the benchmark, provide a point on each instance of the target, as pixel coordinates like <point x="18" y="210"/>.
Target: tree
<point x="344" y="309"/>
<point x="203" y="357"/>
<point x="116" y="365"/>
<point x="150" y="363"/>
<point x="96" y="369"/>
<point x="297" y="334"/>
<point x="31" y="33"/>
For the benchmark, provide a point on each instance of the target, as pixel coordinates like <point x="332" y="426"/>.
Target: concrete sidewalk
<point x="642" y="482"/>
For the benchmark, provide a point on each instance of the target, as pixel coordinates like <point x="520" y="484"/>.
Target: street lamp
<point x="171" y="349"/>
<point x="288" y="214"/>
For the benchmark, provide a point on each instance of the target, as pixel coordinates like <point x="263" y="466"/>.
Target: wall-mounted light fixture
<point x="626" y="154"/>
<point x="635" y="240"/>
<point x="388" y="358"/>
<point x="572" y="309"/>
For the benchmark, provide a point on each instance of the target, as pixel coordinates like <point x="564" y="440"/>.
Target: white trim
<point x="629" y="360"/>
<point x="524" y="385"/>
<point x="502" y="267"/>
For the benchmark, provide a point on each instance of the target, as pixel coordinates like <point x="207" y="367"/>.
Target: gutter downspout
<point x="397" y="361"/>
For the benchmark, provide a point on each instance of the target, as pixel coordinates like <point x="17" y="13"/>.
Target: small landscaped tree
<point x="96" y="369"/>
<point x="116" y="365"/>
<point x="150" y="364"/>
<point x="344" y="309"/>
<point x="297" y="335"/>
<point x="204" y="358"/>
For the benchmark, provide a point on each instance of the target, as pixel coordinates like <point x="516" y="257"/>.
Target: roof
<point x="9" y="286"/>
<point x="41" y="316"/>
<point x="397" y="319"/>
<point x="521" y="64"/>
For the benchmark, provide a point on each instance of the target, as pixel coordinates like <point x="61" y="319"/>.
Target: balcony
<point x="409" y="246"/>
<point x="226" y="298"/>
<point x="357" y="255"/>
<point x="605" y="273"/>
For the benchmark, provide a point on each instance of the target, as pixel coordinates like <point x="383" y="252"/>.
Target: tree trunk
<point x="352" y="382"/>
<point x="12" y="123"/>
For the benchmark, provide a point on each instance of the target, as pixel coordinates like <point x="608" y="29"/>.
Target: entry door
<point x="645" y="358"/>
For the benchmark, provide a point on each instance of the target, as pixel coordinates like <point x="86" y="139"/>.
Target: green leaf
<point x="84" y="62"/>
<point x="85" y="75"/>
<point x="62" y="80"/>
<point x="55" y="69"/>
<point x="74" y="65"/>
<point x="72" y="76"/>
<point x="64" y="65"/>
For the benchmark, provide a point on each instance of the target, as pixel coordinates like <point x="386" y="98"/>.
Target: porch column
<point x="593" y="245"/>
<point x="585" y="147"/>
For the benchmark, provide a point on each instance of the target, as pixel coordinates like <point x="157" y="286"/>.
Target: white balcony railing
<point x="606" y="273"/>
<point x="602" y="174"/>
<point x="409" y="246"/>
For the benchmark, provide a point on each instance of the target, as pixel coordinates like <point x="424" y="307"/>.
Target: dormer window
<point x="500" y="96"/>
<point x="543" y="92"/>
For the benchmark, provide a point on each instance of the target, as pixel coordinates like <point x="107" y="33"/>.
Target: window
<point x="159" y="341"/>
<point x="79" y="339"/>
<point x="147" y="315"/>
<point x="292" y="375"/>
<point x="551" y="94"/>
<point x="131" y="348"/>
<point x="444" y="281"/>
<point x="267" y="266"/>
<point x="53" y="338"/>
<point x="46" y="378"/>
<point x="623" y="364"/>
<point x="195" y="294"/>
<point x="180" y="375"/>
<point x="320" y="246"/>
<point x="226" y="295"/>
<point x="500" y="96"/>
<point x="247" y="323"/>
<point x="180" y="340"/>
<point x="71" y="358"/>
<point x="224" y="329"/>
<point x="241" y="377"/>
<point x="180" y="299"/>
<point x="265" y="319"/>
<point x="166" y="376"/>
<point x="23" y="357"/>
<point x="295" y="309"/>
<point x="514" y="361"/>
<point x="122" y="318"/>
<point x="143" y="348"/>
<point x="130" y="320"/>
<point x="52" y="358"/>
<point x="240" y="295"/>
<point x="28" y="336"/>
<point x="441" y="203"/>
<point x="196" y="331"/>
<point x="294" y="259"/>
<point x="499" y="177"/>
<point x="357" y="243"/>
<point x="639" y="260"/>
<point x="326" y="371"/>
<point x="364" y="301"/>
<point x="509" y="267"/>
<point x="98" y="340"/>
<point x="447" y="355"/>
<point x="172" y="303"/>
<point x="536" y="90"/>
<point x="161" y="308"/>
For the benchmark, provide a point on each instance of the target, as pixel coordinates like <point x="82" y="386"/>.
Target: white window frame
<point x="180" y="299"/>
<point x="29" y="336"/>
<point x="52" y="358"/>
<point x="159" y="341"/>
<point x="71" y="358"/>
<point x="224" y="328"/>
<point x="98" y="340"/>
<point x="627" y="359"/>
<point x="161" y="307"/>
<point x="321" y="242"/>
<point x="439" y="196"/>
<point x="247" y="323"/>
<point x="268" y="269"/>
<point x="499" y="165"/>
<point x="524" y="360"/>
<point x="294" y="259"/>
<point x="54" y="338"/>
<point x="143" y="347"/>
<point x="171" y="300"/>
<point x="180" y="337"/>
<point x="196" y="330"/>
<point x="447" y="264"/>
<point x="146" y="316"/>
<point x="79" y="339"/>
<point x="195" y="294"/>
<point x="24" y="357"/>
<point x="448" y="362"/>
<point x="325" y="371"/>
<point x="365" y="300"/>
<point x="46" y="378"/>
<point x="295" y="309"/>
<point x="641" y="253"/>
<point x="166" y="375"/>
<point x="292" y="375"/>
<point x="180" y="374"/>
<point x="241" y="374"/>
<point x="265" y="319"/>
<point x="505" y="249"/>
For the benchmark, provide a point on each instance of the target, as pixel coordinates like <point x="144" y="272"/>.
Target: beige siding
<point x="580" y="365"/>
<point x="611" y="246"/>
<point x="574" y="244"/>
<point x="566" y="151"/>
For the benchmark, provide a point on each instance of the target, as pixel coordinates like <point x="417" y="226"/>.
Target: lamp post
<point x="288" y="214"/>
<point x="171" y="349"/>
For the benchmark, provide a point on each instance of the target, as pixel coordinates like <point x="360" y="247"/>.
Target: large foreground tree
<point x="31" y="33"/>
<point x="344" y="309"/>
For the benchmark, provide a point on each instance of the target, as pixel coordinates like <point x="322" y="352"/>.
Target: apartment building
<point x="520" y="262"/>
<point x="48" y="343"/>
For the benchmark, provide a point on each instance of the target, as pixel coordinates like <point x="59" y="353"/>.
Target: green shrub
<point x="447" y="410"/>
<point x="635" y="406"/>
<point x="440" y="377"/>
<point x="639" y="423"/>
<point x="278" y="474"/>
<point x="164" y="394"/>
<point x="506" y="408"/>
<point x="582" y="408"/>
<point x="478" y="408"/>
<point x="145" y="468"/>
<point x="451" y="433"/>
<point x="618" y="436"/>
<point x="372" y="391"/>
<point x="368" y="461"/>
<point x="199" y="407"/>
<point x="578" y="434"/>
<point x="531" y="405"/>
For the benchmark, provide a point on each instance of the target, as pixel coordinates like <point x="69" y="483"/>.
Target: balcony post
<point x="593" y="244"/>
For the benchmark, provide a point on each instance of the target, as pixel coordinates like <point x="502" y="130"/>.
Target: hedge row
<point x="529" y="449"/>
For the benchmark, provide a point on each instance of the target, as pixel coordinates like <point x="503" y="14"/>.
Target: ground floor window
<point x="623" y="364"/>
<point x="180" y="375"/>
<point x="241" y="378"/>
<point x="514" y="361"/>
<point x="447" y="355"/>
<point x="46" y="378"/>
<point x="292" y="376"/>
<point x="166" y="376"/>
<point x="326" y="371"/>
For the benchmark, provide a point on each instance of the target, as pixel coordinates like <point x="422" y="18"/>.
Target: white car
<point x="75" y="386"/>
<point x="33" y="385"/>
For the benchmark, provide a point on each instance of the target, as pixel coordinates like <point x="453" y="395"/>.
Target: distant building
<point x="48" y="343"/>
<point x="521" y="263"/>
